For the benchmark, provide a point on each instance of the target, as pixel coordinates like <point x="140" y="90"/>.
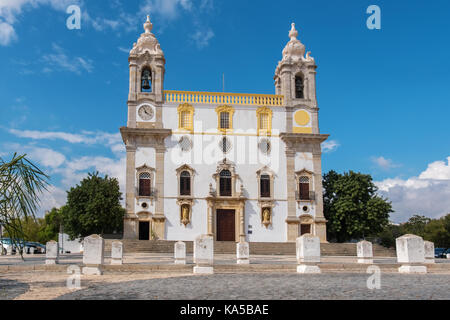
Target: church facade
<point x="239" y="167"/>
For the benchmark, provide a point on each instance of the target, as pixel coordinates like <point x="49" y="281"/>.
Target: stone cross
<point x="204" y="254"/>
<point x="243" y="253"/>
<point x="93" y="254"/>
<point x="411" y="254"/>
<point x="308" y="253"/>
<point x="51" y="252"/>
<point x="180" y="252"/>
<point x="364" y="252"/>
<point x="429" y="251"/>
<point x="117" y="253"/>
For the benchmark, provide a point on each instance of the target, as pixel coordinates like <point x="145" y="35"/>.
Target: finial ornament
<point x="148" y="26"/>
<point x="293" y="33"/>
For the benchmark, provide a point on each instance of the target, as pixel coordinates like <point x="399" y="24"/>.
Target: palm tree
<point x="21" y="184"/>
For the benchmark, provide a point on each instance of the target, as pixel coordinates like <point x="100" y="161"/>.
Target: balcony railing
<point x="269" y="100"/>
<point x="310" y="196"/>
<point x="151" y="195"/>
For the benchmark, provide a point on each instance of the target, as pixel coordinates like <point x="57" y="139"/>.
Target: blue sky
<point x="383" y="94"/>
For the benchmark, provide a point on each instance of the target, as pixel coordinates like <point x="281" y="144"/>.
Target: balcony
<point x="310" y="196"/>
<point x="269" y="100"/>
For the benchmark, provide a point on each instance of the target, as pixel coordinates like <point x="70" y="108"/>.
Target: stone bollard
<point x="204" y="254"/>
<point x="93" y="255"/>
<point x="32" y="250"/>
<point x="308" y="254"/>
<point x="411" y="253"/>
<point x="364" y="252"/>
<point x="51" y="252"/>
<point x="180" y="252"/>
<point x="117" y="253"/>
<point x="243" y="253"/>
<point x="429" y="251"/>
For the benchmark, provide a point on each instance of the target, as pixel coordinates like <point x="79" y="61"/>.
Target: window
<point x="304" y="188"/>
<point x="265" y="186"/>
<point x="144" y="185"/>
<point x="225" y="183"/>
<point x="186" y="117"/>
<point x="224" y="120"/>
<point x="264" y="118"/>
<point x="263" y="121"/>
<point x="299" y="88"/>
<point x="146" y="80"/>
<point x="185" y="183"/>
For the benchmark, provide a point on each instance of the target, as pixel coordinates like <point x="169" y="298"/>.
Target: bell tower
<point x="147" y="69"/>
<point x="295" y="79"/>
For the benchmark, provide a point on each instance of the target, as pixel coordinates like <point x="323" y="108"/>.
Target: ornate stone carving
<point x="147" y="42"/>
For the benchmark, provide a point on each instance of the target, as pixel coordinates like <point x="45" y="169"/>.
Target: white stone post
<point x="180" y="252"/>
<point x="9" y="250"/>
<point x="364" y="252"/>
<point x="117" y="253"/>
<point x="243" y="253"/>
<point x="32" y="250"/>
<point x="204" y="254"/>
<point x="93" y="255"/>
<point x="51" y="252"/>
<point x="429" y="251"/>
<point x="411" y="254"/>
<point x="308" y="254"/>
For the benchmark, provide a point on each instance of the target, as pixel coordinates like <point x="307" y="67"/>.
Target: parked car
<point x="447" y="254"/>
<point x="19" y="244"/>
<point x="439" y="253"/>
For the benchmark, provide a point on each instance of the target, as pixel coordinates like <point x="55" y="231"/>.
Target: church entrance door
<point x="144" y="230"/>
<point x="226" y="225"/>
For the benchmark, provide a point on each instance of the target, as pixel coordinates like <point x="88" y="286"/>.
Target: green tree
<point x="352" y="207"/>
<point x="52" y="223"/>
<point x="93" y="207"/>
<point x="416" y="225"/>
<point x="21" y="184"/>
<point x="438" y="231"/>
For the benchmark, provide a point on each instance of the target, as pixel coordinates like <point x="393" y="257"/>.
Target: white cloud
<point x="330" y="146"/>
<point x="47" y="157"/>
<point x="427" y="194"/>
<point x="167" y="9"/>
<point x="7" y="34"/>
<point x="202" y="37"/>
<point x="53" y="197"/>
<point x="59" y="60"/>
<point x="384" y="163"/>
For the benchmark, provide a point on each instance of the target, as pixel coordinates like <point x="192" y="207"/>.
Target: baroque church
<point x="238" y="167"/>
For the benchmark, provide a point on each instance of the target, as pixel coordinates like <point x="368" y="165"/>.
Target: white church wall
<point x="276" y="232"/>
<point x="175" y="230"/>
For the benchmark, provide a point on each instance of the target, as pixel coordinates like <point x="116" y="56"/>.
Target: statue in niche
<point x="266" y="217"/>
<point x="185" y="215"/>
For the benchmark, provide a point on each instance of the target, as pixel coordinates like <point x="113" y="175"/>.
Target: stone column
<point x="210" y="218"/>
<point x="51" y="252"/>
<point x="411" y="253"/>
<point x="364" y="252"/>
<point x="429" y="251"/>
<point x="133" y="82"/>
<point x="291" y="220"/>
<point x="93" y="255"/>
<point x="312" y="85"/>
<point x="243" y="253"/>
<point x="308" y="254"/>
<point x="130" y="227"/>
<point x="159" y="218"/>
<point x="204" y="254"/>
<point x="117" y="253"/>
<point x="180" y="252"/>
<point x="242" y="223"/>
<point x="319" y="219"/>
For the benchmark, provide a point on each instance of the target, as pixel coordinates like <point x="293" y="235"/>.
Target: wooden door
<point x="305" y="228"/>
<point x="226" y="225"/>
<point x="144" y="230"/>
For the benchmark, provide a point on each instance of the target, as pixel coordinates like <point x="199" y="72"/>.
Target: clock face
<point x="146" y="112"/>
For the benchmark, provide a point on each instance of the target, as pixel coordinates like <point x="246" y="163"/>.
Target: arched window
<point x="225" y="183"/>
<point x="185" y="183"/>
<point x="304" y="188"/>
<point x="146" y="80"/>
<point x="299" y="88"/>
<point x="144" y="185"/>
<point x="265" y="186"/>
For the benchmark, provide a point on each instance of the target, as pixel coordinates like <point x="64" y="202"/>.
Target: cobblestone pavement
<point x="272" y="286"/>
<point x="10" y="289"/>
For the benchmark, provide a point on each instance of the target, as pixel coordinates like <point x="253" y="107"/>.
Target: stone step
<point x="257" y="248"/>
